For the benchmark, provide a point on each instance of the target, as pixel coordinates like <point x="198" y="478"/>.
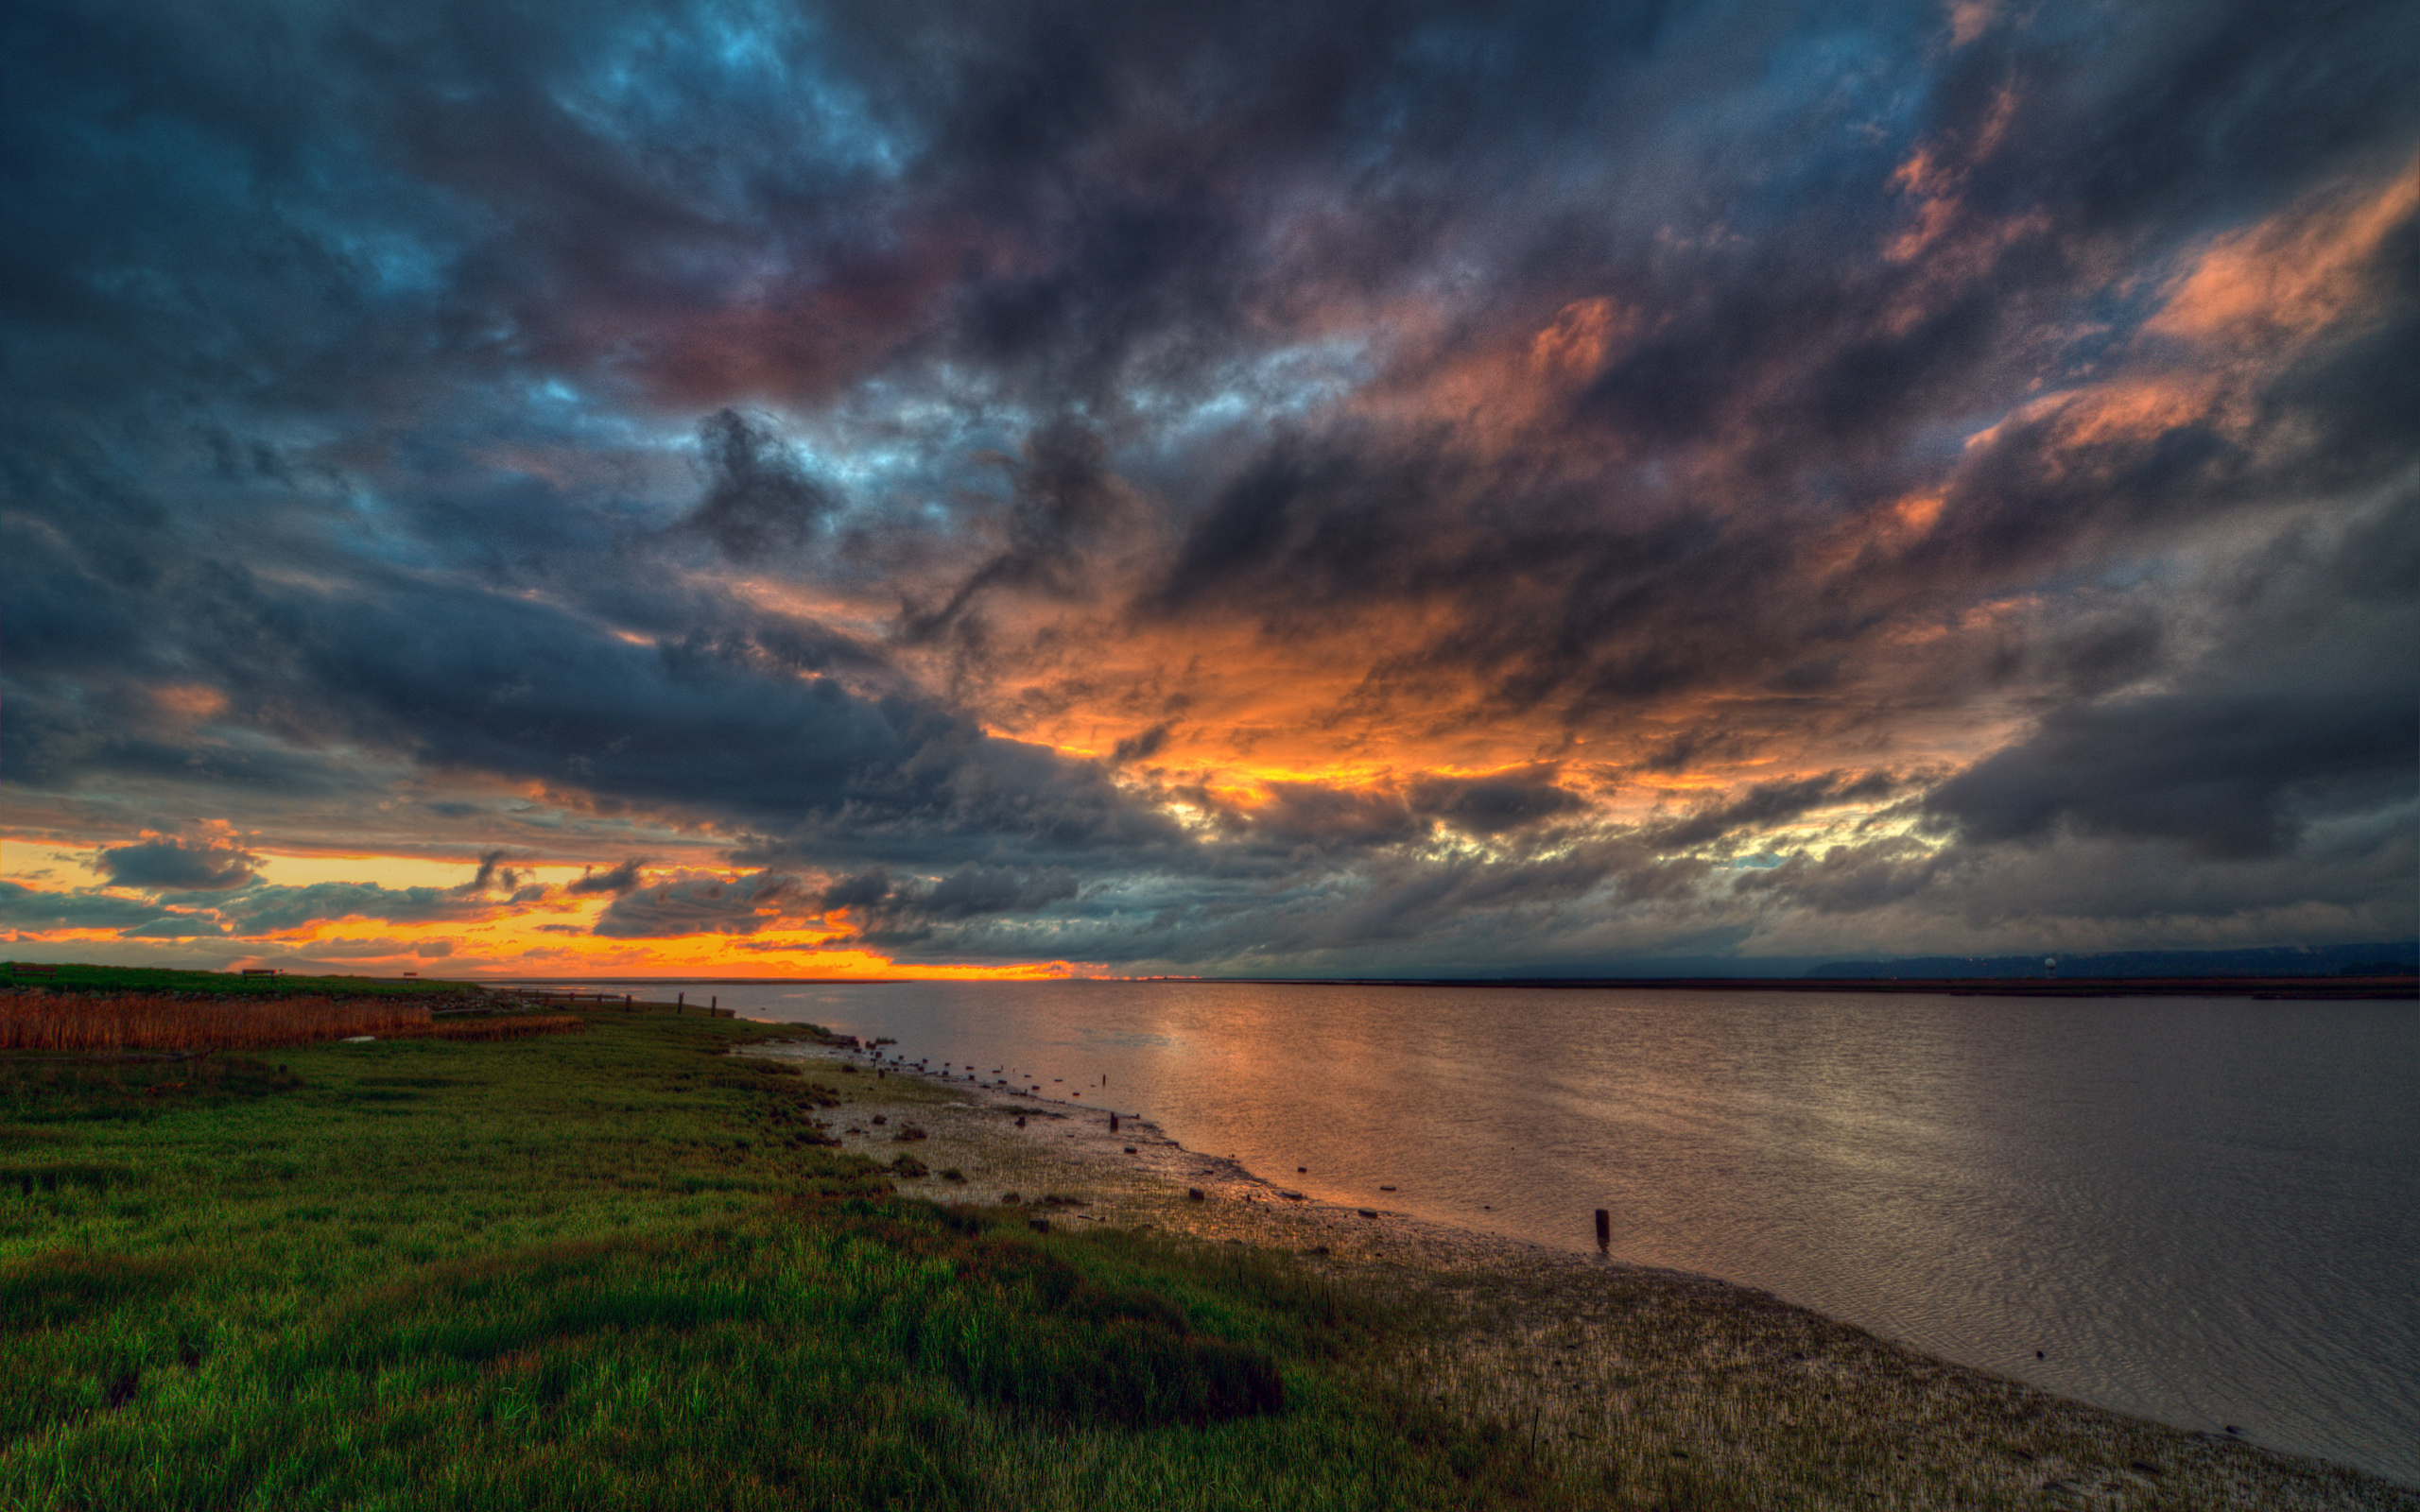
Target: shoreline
<point x="1561" y="1344"/>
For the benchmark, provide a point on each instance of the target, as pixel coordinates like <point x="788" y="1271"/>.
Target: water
<point x="2200" y="1210"/>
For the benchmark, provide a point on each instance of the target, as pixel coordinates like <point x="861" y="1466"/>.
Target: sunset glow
<point x="781" y="490"/>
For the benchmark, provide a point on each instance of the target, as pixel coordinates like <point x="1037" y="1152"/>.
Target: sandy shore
<point x="1645" y="1378"/>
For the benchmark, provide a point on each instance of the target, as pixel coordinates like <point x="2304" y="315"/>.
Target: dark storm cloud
<point x="1066" y="499"/>
<point x="699" y="906"/>
<point x="1495" y="805"/>
<point x="256" y="909"/>
<point x="2219" y="773"/>
<point x="462" y="681"/>
<point x="892" y="912"/>
<point x="758" y="498"/>
<point x="23" y="907"/>
<point x="177" y="866"/>
<point x="974" y="889"/>
<point x="863" y="891"/>
<point x="394" y="398"/>
<point x="2301" y="707"/>
<point x="616" y="880"/>
<point x="1316" y="815"/>
<point x="492" y="872"/>
<point x="272" y="910"/>
<point x="176" y="926"/>
<point x="1144" y="746"/>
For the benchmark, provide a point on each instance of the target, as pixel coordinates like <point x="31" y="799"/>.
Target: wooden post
<point x="1604" y="1229"/>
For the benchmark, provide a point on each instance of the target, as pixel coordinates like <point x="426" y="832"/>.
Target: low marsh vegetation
<point x="614" y="1269"/>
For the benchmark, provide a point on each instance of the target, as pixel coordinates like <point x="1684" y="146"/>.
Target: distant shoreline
<point x="2295" y="989"/>
<point x="2298" y="989"/>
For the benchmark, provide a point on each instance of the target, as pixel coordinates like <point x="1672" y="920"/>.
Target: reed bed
<point x="150" y="1022"/>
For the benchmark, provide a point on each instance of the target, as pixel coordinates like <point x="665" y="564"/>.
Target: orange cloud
<point x="2294" y="274"/>
<point x="1970" y="19"/>
<point x="189" y="700"/>
<point x="1933" y="176"/>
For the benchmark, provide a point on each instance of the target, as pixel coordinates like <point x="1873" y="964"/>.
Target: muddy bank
<point x="1650" y="1378"/>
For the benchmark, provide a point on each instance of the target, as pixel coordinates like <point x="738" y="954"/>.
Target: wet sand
<point x="1641" y="1380"/>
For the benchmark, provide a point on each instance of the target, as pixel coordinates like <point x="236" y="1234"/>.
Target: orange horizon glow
<point x="549" y="935"/>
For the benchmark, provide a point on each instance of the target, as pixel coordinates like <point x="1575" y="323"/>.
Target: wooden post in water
<point x="1604" y="1229"/>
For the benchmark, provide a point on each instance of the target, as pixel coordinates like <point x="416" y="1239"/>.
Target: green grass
<point x="610" y="1270"/>
<point x="80" y="978"/>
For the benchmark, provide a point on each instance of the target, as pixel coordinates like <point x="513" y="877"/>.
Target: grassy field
<point x="619" y="1268"/>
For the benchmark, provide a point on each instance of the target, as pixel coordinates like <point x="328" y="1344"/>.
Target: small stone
<point x="1369" y="1212"/>
<point x="1193" y="1194"/>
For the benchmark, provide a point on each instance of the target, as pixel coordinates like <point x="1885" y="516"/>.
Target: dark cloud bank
<point x="706" y="421"/>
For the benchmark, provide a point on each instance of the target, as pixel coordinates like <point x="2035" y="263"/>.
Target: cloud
<point x="1769" y="803"/>
<point x="863" y="891"/>
<point x="33" y="908"/>
<point x="701" y="906"/>
<point x="758" y="498"/>
<point x="176" y="926"/>
<point x="616" y="879"/>
<point x="492" y="874"/>
<point x="1066" y="501"/>
<point x="977" y="889"/>
<point x="179" y="866"/>
<point x="1497" y="804"/>
<point x="1204" y="486"/>
<point x="2219" y="772"/>
<point x="894" y="913"/>
<point x="275" y="910"/>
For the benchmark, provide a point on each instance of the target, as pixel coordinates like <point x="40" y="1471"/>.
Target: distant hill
<point x="2386" y="958"/>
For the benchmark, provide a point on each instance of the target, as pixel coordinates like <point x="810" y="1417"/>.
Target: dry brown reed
<point x="141" y="1022"/>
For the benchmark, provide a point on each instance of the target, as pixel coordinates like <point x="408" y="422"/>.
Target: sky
<point x="988" y="487"/>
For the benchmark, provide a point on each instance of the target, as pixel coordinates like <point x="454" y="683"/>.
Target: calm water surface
<point x="2200" y="1210"/>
